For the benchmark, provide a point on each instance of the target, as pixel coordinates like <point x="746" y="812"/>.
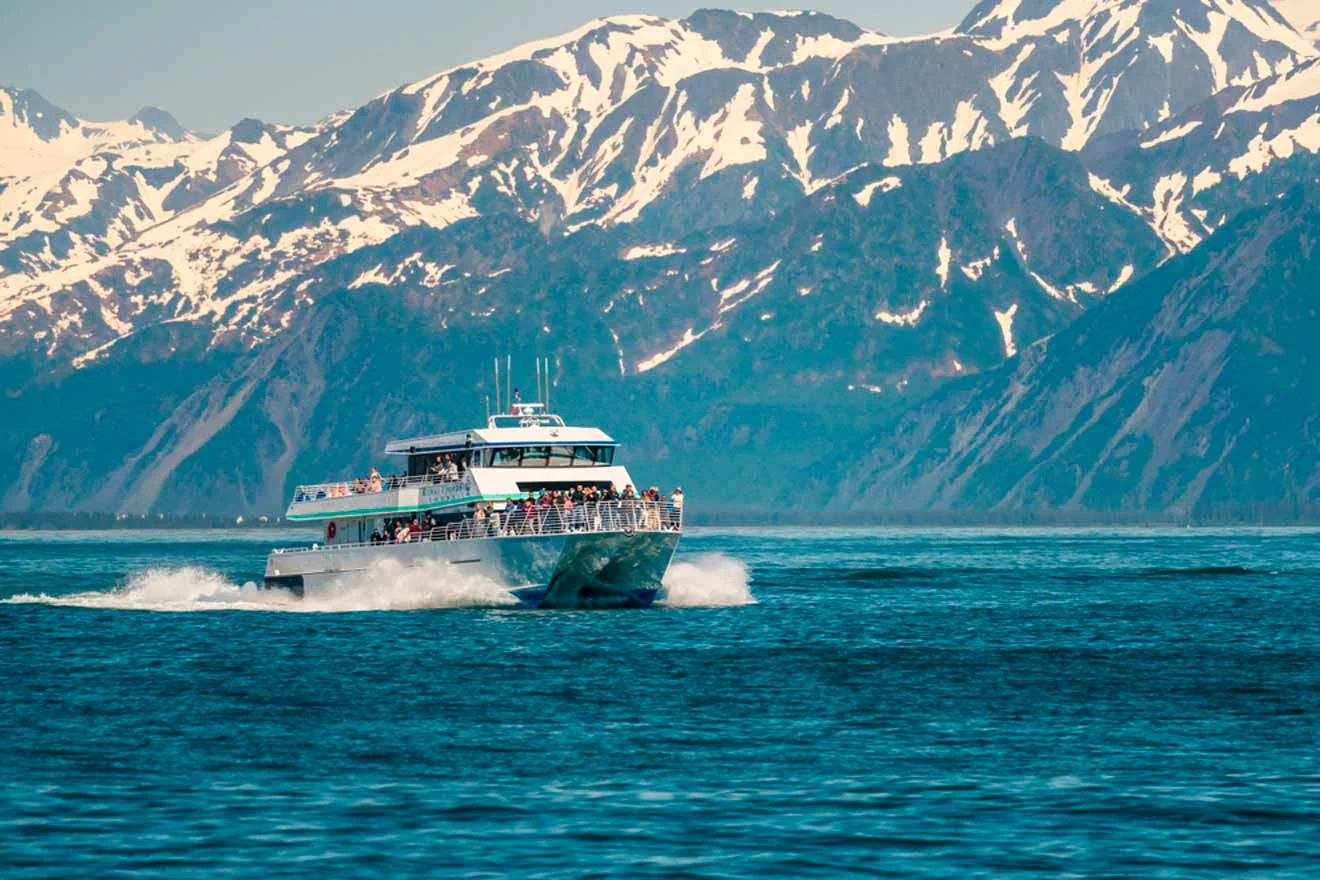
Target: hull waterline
<point x="571" y="570"/>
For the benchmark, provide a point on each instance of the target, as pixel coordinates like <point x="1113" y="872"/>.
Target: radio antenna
<point x="508" y="379"/>
<point x="497" y="385"/>
<point x="538" y="380"/>
<point x="547" y="384"/>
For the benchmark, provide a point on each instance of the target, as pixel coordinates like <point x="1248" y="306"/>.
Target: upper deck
<point x="516" y="453"/>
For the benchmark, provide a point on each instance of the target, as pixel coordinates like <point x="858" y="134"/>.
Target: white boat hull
<point x="600" y="569"/>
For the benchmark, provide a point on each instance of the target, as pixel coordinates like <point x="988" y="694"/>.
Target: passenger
<point x="577" y="503"/>
<point x="373" y="482"/>
<point x="436" y="470"/>
<point x="414" y="529"/>
<point x="628" y="507"/>
<point x="480" y="520"/>
<point x="375" y="536"/>
<point x="529" y="523"/>
<point x="652" y="508"/>
<point x="517" y="401"/>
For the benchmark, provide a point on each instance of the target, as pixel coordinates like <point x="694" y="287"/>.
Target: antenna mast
<point x="497" y="385"/>
<point x="508" y="379"/>
<point x="547" y="384"/>
<point x="538" y="381"/>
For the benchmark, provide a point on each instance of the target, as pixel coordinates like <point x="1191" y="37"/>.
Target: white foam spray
<point x="709" y="580"/>
<point x="386" y="586"/>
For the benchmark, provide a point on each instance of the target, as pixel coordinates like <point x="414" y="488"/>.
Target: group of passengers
<point x="581" y="509"/>
<point x="587" y="509"/>
<point x="360" y="486"/>
<point x="444" y="469"/>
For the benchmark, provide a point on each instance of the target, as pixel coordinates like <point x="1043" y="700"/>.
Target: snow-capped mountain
<point x="730" y="196"/>
<point x="1082" y="68"/>
<point x="71" y="192"/>
<point x="663" y="126"/>
<point x="1192" y="173"/>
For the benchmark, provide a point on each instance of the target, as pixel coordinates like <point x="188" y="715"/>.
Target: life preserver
<point x="331" y="531"/>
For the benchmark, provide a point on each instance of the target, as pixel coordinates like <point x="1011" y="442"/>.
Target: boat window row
<point x="549" y="456"/>
<point x="455" y="462"/>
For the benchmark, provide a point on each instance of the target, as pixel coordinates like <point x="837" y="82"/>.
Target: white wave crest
<point x="708" y="580"/>
<point x="386" y="586"/>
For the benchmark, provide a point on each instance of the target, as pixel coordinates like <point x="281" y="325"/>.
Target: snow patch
<point x="885" y="184"/>
<point x="1172" y="134"/>
<point x="640" y="251"/>
<point x="1124" y="277"/>
<point x="903" y="319"/>
<point x="656" y="360"/>
<point x="944" y="256"/>
<point x="900" y="149"/>
<point x="975" y="269"/>
<point x="1005" y="321"/>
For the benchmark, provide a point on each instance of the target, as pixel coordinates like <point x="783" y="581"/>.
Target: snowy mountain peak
<point x="27" y="110"/>
<point x="160" y="121"/>
<point x="1206" y="22"/>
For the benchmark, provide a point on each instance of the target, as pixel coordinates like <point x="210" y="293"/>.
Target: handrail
<point x="346" y="488"/>
<point x="624" y="515"/>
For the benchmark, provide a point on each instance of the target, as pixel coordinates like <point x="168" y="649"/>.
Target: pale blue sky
<point x="210" y="64"/>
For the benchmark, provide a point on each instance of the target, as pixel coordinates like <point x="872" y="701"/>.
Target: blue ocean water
<point x="917" y="703"/>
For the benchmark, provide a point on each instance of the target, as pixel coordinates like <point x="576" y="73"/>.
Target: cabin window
<point x="536" y="456"/>
<point x="551" y="456"/>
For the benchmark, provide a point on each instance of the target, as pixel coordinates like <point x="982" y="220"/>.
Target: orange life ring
<point x="331" y="531"/>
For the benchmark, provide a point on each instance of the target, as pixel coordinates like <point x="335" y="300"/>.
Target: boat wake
<point x="708" y="580"/>
<point x="702" y="581"/>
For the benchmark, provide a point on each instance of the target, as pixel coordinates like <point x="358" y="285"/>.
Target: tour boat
<point x="469" y="493"/>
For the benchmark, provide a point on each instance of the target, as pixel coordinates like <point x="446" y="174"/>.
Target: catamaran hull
<point x="573" y="570"/>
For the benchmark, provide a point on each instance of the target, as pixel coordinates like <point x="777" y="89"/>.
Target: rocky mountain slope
<point x="1190" y="391"/>
<point x="732" y="222"/>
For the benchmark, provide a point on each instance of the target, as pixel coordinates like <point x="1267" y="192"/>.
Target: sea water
<point x="929" y="703"/>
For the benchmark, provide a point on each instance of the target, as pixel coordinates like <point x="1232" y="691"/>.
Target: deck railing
<point x="347" y="488"/>
<point x="624" y="515"/>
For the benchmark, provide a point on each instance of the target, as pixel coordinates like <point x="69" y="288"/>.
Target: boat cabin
<point x="445" y="476"/>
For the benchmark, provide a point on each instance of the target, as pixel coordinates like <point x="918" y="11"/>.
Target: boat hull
<point x="572" y="570"/>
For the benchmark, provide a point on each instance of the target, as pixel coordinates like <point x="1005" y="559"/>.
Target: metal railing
<point x="624" y="515"/>
<point x="369" y="486"/>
